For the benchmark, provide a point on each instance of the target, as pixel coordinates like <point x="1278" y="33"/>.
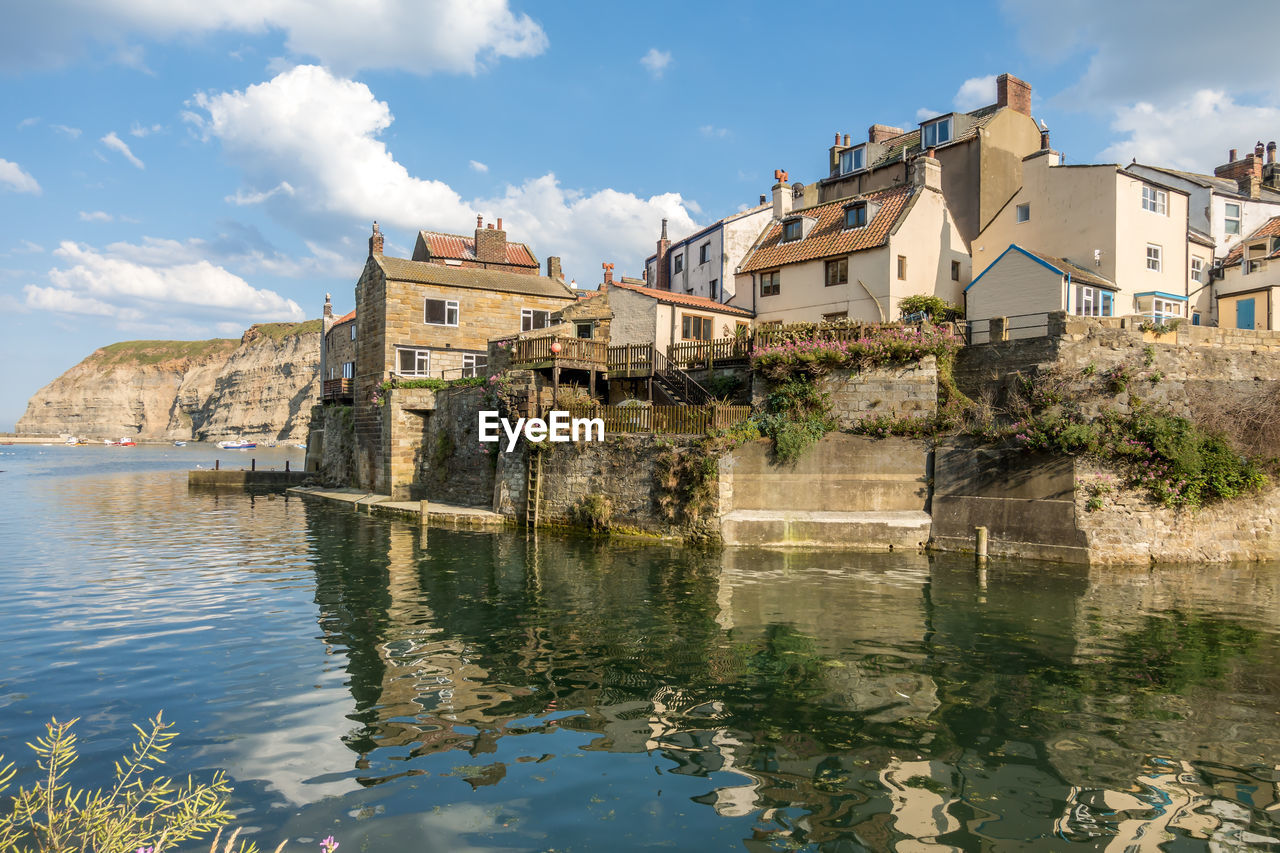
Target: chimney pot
<point x="1271" y="152"/>
<point x="846" y="139"/>
<point x="931" y="153"/>
<point x="837" y="138"/>
<point x="479" y="221"/>
<point x="1044" y="140"/>
<point x="499" y="223"/>
<point x="375" y="241"/>
<point x="1231" y="156"/>
<point x="1258" y="149"/>
<point x="763" y="198"/>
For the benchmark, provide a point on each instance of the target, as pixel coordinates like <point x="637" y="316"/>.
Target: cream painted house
<point x="1250" y="285"/>
<point x="1028" y="285"/>
<point x="1126" y="230"/>
<point x="857" y="258"/>
<point x="703" y="263"/>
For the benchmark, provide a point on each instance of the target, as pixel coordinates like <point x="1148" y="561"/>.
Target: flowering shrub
<point x="875" y="346"/>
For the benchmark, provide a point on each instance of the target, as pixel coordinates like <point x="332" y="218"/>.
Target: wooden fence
<point x="671" y="420"/>
<point x="692" y="353"/>
<point x="631" y="360"/>
<point x="571" y="349"/>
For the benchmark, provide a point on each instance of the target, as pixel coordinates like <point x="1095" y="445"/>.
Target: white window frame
<point x="1165" y="308"/>
<point x="348" y="370"/>
<point x="1093" y="301"/>
<point x="526" y="319"/>
<point x="1022" y="213"/>
<point x="450" y="312"/>
<point x="471" y="362"/>
<point x="853" y="160"/>
<point x="866" y="215"/>
<point x="1197" y="269"/>
<point x="1155" y="200"/>
<point x="353" y="331"/>
<point x="798" y="225"/>
<point x="932" y="129"/>
<point x="1227" y="218"/>
<point x="1156" y="257"/>
<point x="421" y="362"/>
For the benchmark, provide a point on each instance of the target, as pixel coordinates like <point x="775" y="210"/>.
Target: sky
<point x="184" y="168"/>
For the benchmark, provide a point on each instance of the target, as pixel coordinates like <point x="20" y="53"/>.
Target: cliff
<point x="260" y="387"/>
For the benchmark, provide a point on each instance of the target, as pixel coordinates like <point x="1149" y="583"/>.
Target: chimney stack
<point x="837" y="137"/>
<point x="1271" y="152"/>
<point x="375" y="241"/>
<point x="1231" y="156"/>
<point x="663" y="263"/>
<point x="328" y="306"/>
<point x="782" y="197"/>
<point x="1044" y="138"/>
<point x="491" y="244"/>
<point x="763" y="198"/>
<point x="608" y="273"/>
<point x="1250" y="166"/>
<point x="882" y="132"/>
<point x="846" y="139"/>
<point x="1258" y="149"/>
<point x="926" y="172"/>
<point x="1013" y="93"/>
<point x="553" y="268"/>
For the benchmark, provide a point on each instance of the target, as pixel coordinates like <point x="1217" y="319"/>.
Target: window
<point x="1254" y="258"/>
<point x="677" y="265"/>
<point x="696" y="328"/>
<point x="1023" y="212"/>
<point x="838" y="272"/>
<point x="855" y="215"/>
<point x="441" y="312"/>
<point x="1153" y="257"/>
<point x="936" y="133"/>
<point x="1154" y="200"/>
<point x="531" y="319"/>
<point x="1094" y="302"/>
<point x="704" y="253"/>
<point x="348" y="370"/>
<point x="413" y="362"/>
<point x="741" y="329"/>
<point x="586" y="330"/>
<point x="835" y="317"/>
<point x="714" y="288"/>
<point x="1197" y="269"/>
<point x="473" y="365"/>
<point x="1231" y="225"/>
<point x="353" y="331"/>
<point x="792" y="230"/>
<point x="1195" y="319"/>
<point x="1162" y="309"/>
<point x="902" y="267"/>
<point x="770" y="283"/>
<point x="955" y="270"/>
<point x="852" y="160"/>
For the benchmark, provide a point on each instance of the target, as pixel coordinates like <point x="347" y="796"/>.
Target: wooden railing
<point x="694" y="353"/>
<point x="336" y="389"/>
<point x="631" y="360"/>
<point x="539" y="349"/>
<point x="680" y="382"/>
<point x="670" y="420"/>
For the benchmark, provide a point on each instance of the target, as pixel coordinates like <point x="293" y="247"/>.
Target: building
<point x="1128" y="231"/>
<point x="981" y="153"/>
<point x="1030" y="284"/>
<point x="337" y="354"/>
<point x="489" y="250"/>
<point x="1246" y="294"/>
<point x="704" y="263"/>
<point x="857" y="258"/>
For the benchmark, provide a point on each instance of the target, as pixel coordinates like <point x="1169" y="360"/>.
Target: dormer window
<point x="936" y="133"/>
<point x="853" y="160"/>
<point x="855" y="215"/>
<point x="792" y="229"/>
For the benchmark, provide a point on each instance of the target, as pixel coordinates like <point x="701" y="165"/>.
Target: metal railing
<point x="1015" y="326"/>
<point x="679" y="382"/>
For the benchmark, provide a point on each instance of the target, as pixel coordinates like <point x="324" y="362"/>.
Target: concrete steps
<point x="869" y="531"/>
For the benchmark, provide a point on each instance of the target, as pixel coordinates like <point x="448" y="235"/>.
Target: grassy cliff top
<point x="157" y="352"/>
<point x="280" y="331"/>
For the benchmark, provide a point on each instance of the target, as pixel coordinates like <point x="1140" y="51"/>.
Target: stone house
<point x="981" y="153"/>
<point x="1127" y="230"/>
<point x="704" y="263"/>
<point x="856" y="258"/>
<point x="337" y="354"/>
<point x="1250" y="281"/>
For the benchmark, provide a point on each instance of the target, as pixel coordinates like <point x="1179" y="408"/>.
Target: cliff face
<point x="260" y="387"/>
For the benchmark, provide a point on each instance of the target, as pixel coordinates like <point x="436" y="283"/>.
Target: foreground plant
<point x="137" y="813"/>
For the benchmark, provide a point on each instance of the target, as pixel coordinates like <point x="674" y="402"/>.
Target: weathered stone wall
<point x="331" y="445"/>
<point x="896" y="391"/>
<point x="622" y="467"/>
<point x="451" y="465"/>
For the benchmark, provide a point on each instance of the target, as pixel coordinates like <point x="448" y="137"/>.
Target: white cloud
<point x="115" y="143"/>
<point x="926" y="113"/>
<point x="975" y="92"/>
<point x="96" y="216"/>
<point x="713" y="132"/>
<point x="73" y="132"/>
<point x="26" y="247"/>
<point x="477" y="166"/>
<point x="140" y="131"/>
<point x="242" y="198"/>
<point x="28" y="122"/>
<point x="319" y="134"/>
<point x="421" y="36"/>
<point x="656" y="61"/>
<point x="12" y="177"/>
<point x="1159" y="135"/>
<point x="106" y="284"/>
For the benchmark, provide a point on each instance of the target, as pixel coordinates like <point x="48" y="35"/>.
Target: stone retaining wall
<point x="896" y="391"/>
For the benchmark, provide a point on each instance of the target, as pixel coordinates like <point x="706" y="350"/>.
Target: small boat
<point x="124" y="442"/>
<point x="179" y="444"/>
<point x="236" y="445"/>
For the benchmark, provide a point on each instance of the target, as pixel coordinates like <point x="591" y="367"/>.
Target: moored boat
<point x="236" y="445"/>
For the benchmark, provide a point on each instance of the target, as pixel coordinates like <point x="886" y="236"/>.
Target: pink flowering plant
<point x="824" y="350"/>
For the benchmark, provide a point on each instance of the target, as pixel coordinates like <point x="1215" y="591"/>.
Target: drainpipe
<point x="879" y="307"/>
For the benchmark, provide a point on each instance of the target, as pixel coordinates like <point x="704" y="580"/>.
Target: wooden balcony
<point x="580" y="353"/>
<point x="337" y="389"/>
<point x="687" y="354"/>
<point x="628" y="361"/>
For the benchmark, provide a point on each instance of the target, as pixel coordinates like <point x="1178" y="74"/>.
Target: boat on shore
<point x="236" y="445"/>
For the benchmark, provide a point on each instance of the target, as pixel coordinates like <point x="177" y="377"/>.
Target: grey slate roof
<point x="1079" y="274"/>
<point x="420" y="272"/>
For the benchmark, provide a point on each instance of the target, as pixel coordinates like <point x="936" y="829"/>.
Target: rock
<point x="261" y="388"/>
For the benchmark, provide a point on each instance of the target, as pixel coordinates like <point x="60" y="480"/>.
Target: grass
<point x="160" y="352"/>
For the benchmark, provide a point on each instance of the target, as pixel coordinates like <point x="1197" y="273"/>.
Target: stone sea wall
<point x="904" y="391"/>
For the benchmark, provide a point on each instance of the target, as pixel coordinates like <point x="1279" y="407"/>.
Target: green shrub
<point x="594" y="512"/>
<point x="796" y="415"/>
<point x="934" y="307"/>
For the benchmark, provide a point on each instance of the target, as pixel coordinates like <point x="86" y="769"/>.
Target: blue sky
<point x="182" y="170"/>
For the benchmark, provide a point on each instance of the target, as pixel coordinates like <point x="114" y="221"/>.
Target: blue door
<point x="1244" y="314"/>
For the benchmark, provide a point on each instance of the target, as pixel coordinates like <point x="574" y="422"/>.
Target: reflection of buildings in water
<point x="920" y="793"/>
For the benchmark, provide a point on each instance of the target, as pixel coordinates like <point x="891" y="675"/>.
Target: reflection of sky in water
<point x="477" y="693"/>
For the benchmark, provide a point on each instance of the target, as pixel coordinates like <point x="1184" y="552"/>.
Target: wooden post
<point x="980" y="543"/>
<point x="555" y="385"/>
<point x="593" y="383"/>
<point x="253" y="464"/>
<point x="216" y="463"/>
<point x="286" y="466"/>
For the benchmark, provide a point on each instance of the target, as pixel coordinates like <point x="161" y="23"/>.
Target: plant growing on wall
<point x="594" y="512"/>
<point x="934" y="308"/>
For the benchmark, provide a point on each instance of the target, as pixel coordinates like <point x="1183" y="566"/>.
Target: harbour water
<point x="453" y="690"/>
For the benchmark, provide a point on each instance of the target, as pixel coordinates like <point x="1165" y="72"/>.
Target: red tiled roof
<point x="686" y="299"/>
<point x="1270" y="228"/>
<point x="828" y="237"/>
<point x="461" y="248"/>
<point x="350" y="315"/>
